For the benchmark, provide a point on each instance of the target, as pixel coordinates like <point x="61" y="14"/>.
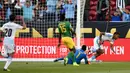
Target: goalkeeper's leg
<point x="71" y="45"/>
<point x="71" y="55"/>
<point x="58" y="59"/>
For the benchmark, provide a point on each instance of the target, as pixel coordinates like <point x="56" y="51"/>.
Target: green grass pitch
<point x="50" y="67"/>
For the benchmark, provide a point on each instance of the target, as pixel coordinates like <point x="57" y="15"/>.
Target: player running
<point x="65" y="32"/>
<point x="10" y="29"/>
<point x="99" y="40"/>
<point x="79" y="55"/>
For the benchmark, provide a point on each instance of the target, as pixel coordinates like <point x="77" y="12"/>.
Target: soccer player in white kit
<point x="99" y="40"/>
<point x="10" y="29"/>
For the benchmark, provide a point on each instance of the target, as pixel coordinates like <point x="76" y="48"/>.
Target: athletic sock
<point x="71" y="55"/>
<point x="92" y="58"/>
<point x="8" y="62"/>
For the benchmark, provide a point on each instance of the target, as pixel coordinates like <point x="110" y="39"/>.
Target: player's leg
<point x="10" y="52"/>
<point x="77" y="61"/>
<point x="71" y="46"/>
<point x="97" y="54"/>
<point x="70" y="55"/>
<point x="70" y="61"/>
<point x="96" y="49"/>
<point x="64" y="40"/>
<point x="58" y="59"/>
<point x="8" y="62"/>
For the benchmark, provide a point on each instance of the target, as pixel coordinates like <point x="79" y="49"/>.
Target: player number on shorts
<point x="62" y="27"/>
<point x="8" y="32"/>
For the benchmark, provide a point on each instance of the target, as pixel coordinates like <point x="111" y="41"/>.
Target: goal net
<point x="39" y="41"/>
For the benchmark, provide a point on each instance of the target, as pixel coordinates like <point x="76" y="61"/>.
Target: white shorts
<point x="7" y="49"/>
<point x="8" y="46"/>
<point x="96" y="43"/>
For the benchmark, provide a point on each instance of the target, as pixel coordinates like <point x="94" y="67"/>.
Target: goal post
<point x="80" y="20"/>
<point x="78" y="24"/>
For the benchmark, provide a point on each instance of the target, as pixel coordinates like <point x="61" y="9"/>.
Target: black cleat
<point x="55" y="60"/>
<point x="0" y="53"/>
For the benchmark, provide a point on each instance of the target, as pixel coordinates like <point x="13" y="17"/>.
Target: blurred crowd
<point x="105" y="11"/>
<point x="38" y="9"/>
<point x="121" y="15"/>
<point x="46" y="10"/>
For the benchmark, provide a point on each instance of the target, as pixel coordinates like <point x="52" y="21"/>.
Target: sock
<point x="92" y="58"/>
<point x="74" y="59"/>
<point x="71" y="55"/>
<point x="60" y="58"/>
<point x="8" y="62"/>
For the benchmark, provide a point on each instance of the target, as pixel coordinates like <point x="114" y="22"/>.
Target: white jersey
<point x="10" y="29"/>
<point x="108" y="37"/>
<point x="105" y="37"/>
<point x="8" y="43"/>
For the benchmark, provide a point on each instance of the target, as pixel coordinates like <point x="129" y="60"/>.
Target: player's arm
<point x="85" y="59"/>
<point x="23" y="24"/>
<point x="72" y="31"/>
<point x="100" y="37"/>
<point x="59" y="40"/>
<point x="111" y="46"/>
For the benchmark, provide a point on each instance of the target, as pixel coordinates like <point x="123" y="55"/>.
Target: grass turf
<point x="50" y="67"/>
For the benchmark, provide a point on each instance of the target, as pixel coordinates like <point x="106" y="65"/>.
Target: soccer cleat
<point x="89" y="62"/>
<point x="65" y="61"/>
<point x="6" y="70"/>
<point x="75" y="64"/>
<point x="0" y="53"/>
<point x="55" y="60"/>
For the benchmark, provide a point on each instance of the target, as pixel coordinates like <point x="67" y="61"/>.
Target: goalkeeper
<point x="79" y="55"/>
<point x="65" y="32"/>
